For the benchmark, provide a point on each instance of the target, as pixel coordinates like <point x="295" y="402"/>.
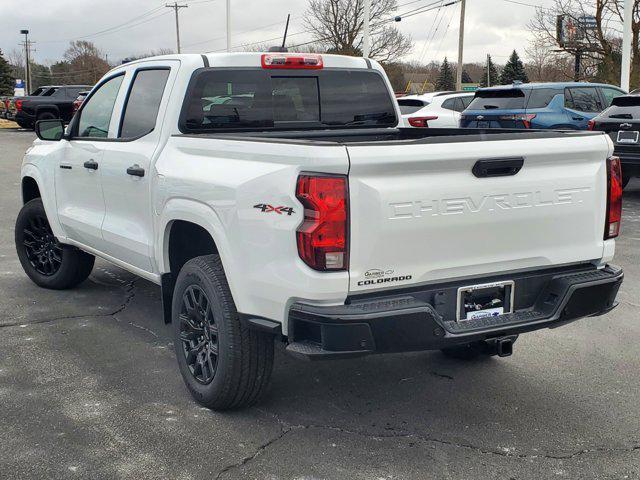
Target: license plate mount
<point x="485" y="300"/>
<point x="628" y="137"/>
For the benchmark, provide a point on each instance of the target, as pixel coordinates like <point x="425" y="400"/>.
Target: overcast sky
<point x="126" y="27"/>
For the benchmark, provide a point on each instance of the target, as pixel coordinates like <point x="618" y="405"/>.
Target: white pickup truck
<point x="273" y="197"/>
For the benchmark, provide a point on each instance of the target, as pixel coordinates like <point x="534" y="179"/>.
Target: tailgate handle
<point x="497" y="167"/>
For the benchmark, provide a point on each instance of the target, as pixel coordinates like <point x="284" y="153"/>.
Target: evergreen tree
<point x="7" y="81"/>
<point x="513" y="70"/>
<point x="466" y="78"/>
<point x="445" y="79"/>
<point x="494" y="77"/>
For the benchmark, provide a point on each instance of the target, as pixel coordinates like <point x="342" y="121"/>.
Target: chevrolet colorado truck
<point x="273" y="197"/>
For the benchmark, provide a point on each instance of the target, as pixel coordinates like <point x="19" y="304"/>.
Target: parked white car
<point x="274" y="198"/>
<point x="435" y="110"/>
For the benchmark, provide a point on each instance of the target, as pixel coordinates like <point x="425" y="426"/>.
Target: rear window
<point x="625" y="108"/>
<point x="541" y="97"/>
<point x="261" y="100"/>
<point x="503" y="99"/>
<point x="411" y="105"/>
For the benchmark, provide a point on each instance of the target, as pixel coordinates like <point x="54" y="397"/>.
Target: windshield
<point x="262" y="100"/>
<point x="411" y="105"/>
<point x="504" y="99"/>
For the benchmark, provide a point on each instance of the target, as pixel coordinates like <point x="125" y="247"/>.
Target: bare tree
<point x="337" y="25"/>
<point x="86" y="64"/>
<point x="601" y="46"/>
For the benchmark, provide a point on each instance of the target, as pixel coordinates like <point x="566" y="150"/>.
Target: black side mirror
<point x="50" y="130"/>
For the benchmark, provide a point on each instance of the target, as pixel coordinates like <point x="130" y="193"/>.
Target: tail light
<point x="591" y="124"/>
<point x="322" y="237"/>
<point x="18" y="104"/>
<point x="304" y="61"/>
<point x="421" y="122"/>
<point x="525" y="118"/>
<point x="614" y="198"/>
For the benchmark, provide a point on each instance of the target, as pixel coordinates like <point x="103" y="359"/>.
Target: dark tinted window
<point x="411" y="105"/>
<point x="624" y="108"/>
<point x="583" y="99"/>
<point x="49" y="92"/>
<point x="541" y="97"/>
<point x="466" y="101"/>
<point x="73" y="92"/>
<point x="37" y="91"/>
<point x="507" y="99"/>
<point x="260" y="99"/>
<point x="142" y="106"/>
<point x="450" y="104"/>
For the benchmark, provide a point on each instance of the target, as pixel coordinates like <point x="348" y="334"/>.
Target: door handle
<point x="136" y="171"/>
<point x="91" y="164"/>
<point x="577" y="118"/>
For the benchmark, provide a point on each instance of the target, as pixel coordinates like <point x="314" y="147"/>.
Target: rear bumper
<point x="423" y="319"/>
<point x="630" y="158"/>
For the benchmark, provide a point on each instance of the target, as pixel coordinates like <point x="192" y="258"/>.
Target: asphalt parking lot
<point x="89" y="389"/>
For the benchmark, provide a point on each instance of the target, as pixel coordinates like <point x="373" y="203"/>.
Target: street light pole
<point x="460" y="46"/>
<point x="625" y="75"/>
<point x="176" y="7"/>
<point x="27" y="67"/>
<point x="366" y="40"/>
<point x="228" y="25"/>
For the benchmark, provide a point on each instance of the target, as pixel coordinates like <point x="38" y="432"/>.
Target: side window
<point x="583" y="99"/>
<point x="609" y="94"/>
<point x="541" y="97"/>
<point x="57" y="92"/>
<point x="143" y="103"/>
<point x="95" y="116"/>
<point x="466" y="101"/>
<point x="450" y="104"/>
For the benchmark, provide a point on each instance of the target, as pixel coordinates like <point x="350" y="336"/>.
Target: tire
<point x="48" y="263"/>
<point x="229" y="366"/>
<point x="625" y="180"/>
<point x="25" y="125"/>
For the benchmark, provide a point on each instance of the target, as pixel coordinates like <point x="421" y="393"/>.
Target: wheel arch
<point x="189" y="229"/>
<point x="30" y="189"/>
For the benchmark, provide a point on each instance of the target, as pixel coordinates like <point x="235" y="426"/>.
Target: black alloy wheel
<point x="42" y="249"/>
<point x="199" y="334"/>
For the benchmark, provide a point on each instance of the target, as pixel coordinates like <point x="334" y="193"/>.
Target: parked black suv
<point x="622" y="122"/>
<point x="51" y="102"/>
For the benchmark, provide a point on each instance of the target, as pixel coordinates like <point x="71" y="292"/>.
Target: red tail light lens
<point x="591" y="124"/>
<point x="18" y="104"/>
<point x="421" y="122"/>
<point x="305" y="61"/>
<point x="322" y="237"/>
<point x="614" y="198"/>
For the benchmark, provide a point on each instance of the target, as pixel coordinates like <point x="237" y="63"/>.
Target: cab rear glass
<point x="250" y="99"/>
<point x="502" y="99"/>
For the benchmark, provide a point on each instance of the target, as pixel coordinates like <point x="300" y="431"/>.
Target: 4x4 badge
<point x="265" y="208"/>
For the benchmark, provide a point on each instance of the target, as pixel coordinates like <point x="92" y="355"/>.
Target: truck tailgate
<point x="419" y="214"/>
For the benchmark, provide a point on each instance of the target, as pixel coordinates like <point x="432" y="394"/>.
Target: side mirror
<point x="50" y="130"/>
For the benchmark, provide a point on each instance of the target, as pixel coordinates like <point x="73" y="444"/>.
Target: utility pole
<point x="366" y="40"/>
<point x="176" y="7"/>
<point x="625" y="76"/>
<point x="228" y="25"/>
<point x="27" y="67"/>
<point x="488" y="70"/>
<point x="460" y="46"/>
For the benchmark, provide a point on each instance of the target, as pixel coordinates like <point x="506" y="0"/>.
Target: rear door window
<point x="466" y="101"/>
<point x="609" y="94"/>
<point x="259" y="99"/>
<point x="500" y="99"/>
<point x="143" y="102"/>
<point x="541" y="97"/>
<point x="583" y="99"/>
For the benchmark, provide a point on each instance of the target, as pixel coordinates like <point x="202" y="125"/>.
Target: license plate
<point x="482" y="124"/>
<point x="485" y="300"/>
<point x="628" y="136"/>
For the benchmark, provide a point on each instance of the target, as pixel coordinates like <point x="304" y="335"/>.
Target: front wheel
<point x="223" y="364"/>
<point x="46" y="261"/>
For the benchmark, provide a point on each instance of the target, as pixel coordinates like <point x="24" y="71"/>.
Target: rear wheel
<point x="224" y="364"/>
<point x="47" y="262"/>
<point x="625" y="180"/>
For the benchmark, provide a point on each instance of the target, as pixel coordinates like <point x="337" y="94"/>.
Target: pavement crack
<point x="245" y="460"/>
<point x="129" y="295"/>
